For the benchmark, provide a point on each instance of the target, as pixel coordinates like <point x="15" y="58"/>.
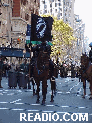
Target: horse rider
<point x="90" y="53"/>
<point x="36" y="49"/>
<point x="1" y="70"/>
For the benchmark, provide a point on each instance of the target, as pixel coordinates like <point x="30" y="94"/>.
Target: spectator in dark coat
<point x="1" y="70"/>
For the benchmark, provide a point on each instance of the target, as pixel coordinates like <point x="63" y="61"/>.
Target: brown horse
<point x="40" y="73"/>
<point x="86" y="73"/>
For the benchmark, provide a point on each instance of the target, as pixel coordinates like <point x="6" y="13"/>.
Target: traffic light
<point x="18" y="41"/>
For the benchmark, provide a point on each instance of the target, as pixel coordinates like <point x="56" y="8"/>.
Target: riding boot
<point x="0" y="84"/>
<point x="29" y="86"/>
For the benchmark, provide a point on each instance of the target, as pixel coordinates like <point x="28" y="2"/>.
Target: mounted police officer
<point x="90" y="53"/>
<point x="36" y="49"/>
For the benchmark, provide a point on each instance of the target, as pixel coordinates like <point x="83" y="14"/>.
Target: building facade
<point x="78" y="46"/>
<point x="68" y="12"/>
<point x="14" y="17"/>
<point x="63" y="9"/>
<point x="3" y="23"/>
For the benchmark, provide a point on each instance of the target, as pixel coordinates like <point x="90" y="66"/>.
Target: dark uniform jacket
<point x="90" y="56"/>
<point x="25" y="68"/>
<point x="1" y="68"/>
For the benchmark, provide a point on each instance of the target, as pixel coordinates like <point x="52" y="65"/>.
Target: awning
<point x="13" y="52"/>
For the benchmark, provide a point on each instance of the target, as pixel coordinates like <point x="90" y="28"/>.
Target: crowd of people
<point x="64" y="69"/>
<point x="6" y="67"/>
<point x="69" y="70"/>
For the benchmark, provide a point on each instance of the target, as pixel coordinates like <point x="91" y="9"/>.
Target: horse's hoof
<point x="33" y="94"/>
<point x="52" y="101"/>
<point x="37" y="101"/>
<point x="43" y="103"/>
<point x="36" y="93"/>
<point x="90" y="98"/>
<point x="29" y="87"/>
<point x="55" y="93"/>
<point x="83" y="97"/>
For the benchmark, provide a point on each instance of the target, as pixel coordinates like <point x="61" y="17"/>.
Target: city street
<point x="68" y="99"/>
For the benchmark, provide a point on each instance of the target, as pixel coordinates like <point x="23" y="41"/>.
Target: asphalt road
<point x="68" y="100"/>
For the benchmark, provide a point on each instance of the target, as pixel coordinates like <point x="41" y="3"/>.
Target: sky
<point x="83" y="8"/>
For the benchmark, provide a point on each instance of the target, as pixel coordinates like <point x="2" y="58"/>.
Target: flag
<point x="28" y="34"/>
<point x="41" y="28"/>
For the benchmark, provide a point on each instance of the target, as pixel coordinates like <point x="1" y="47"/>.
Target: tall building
<point x="68" y="11"/>
<point x="78" y="46"/>
<point x="63" y="9"/>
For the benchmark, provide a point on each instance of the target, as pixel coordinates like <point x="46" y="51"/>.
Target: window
<point x="23" y="2"/>
<point x="66" y="19"/>
<point x="45" y="6"/>
<point x="51" y="10"/>
<point x="70" y="6"/>
<point x="35" y="1"/>
<point x="60" y="9"/>
<point x="26" y="16"/>
<point x="51" y="5"/>
<point x="61" y="14"/>
<point x="0" y="26"/>
<point x="43" y="1"/>
<point x="59" y="4"/>
<point x="0" y="11"/>
<point x="45" y="11"/>
<point x="55" y="4"/>
<point x="55" y="10"/>
<point x="67" y="3"/>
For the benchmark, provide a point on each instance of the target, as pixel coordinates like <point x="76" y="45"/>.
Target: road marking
<point x="62" y="106"/>
<point x="74" y="86"/>
<point x="15" y="101"/>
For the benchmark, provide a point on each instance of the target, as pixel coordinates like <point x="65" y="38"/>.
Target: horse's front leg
<point x="84" y="87"/>
<point x="44" y="90"/>
<point x="38" y="90"/>
<point x="33" y="83"/>
<point x="90" y="89"/>
<point x="53" y="88"/>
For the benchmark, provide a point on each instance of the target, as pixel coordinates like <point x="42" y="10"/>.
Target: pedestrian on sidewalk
<point x="1" y="70"/>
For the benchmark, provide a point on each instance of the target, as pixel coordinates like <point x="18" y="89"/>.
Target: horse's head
<point x="43" y="60"/>
<point x="84" y="60"/>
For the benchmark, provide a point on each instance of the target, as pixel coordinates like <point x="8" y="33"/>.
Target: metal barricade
<point x="22" y="80"/>
<point x="12" y="79"/>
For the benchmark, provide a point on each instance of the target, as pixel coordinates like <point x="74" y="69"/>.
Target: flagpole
<point x="30" y="62"/>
